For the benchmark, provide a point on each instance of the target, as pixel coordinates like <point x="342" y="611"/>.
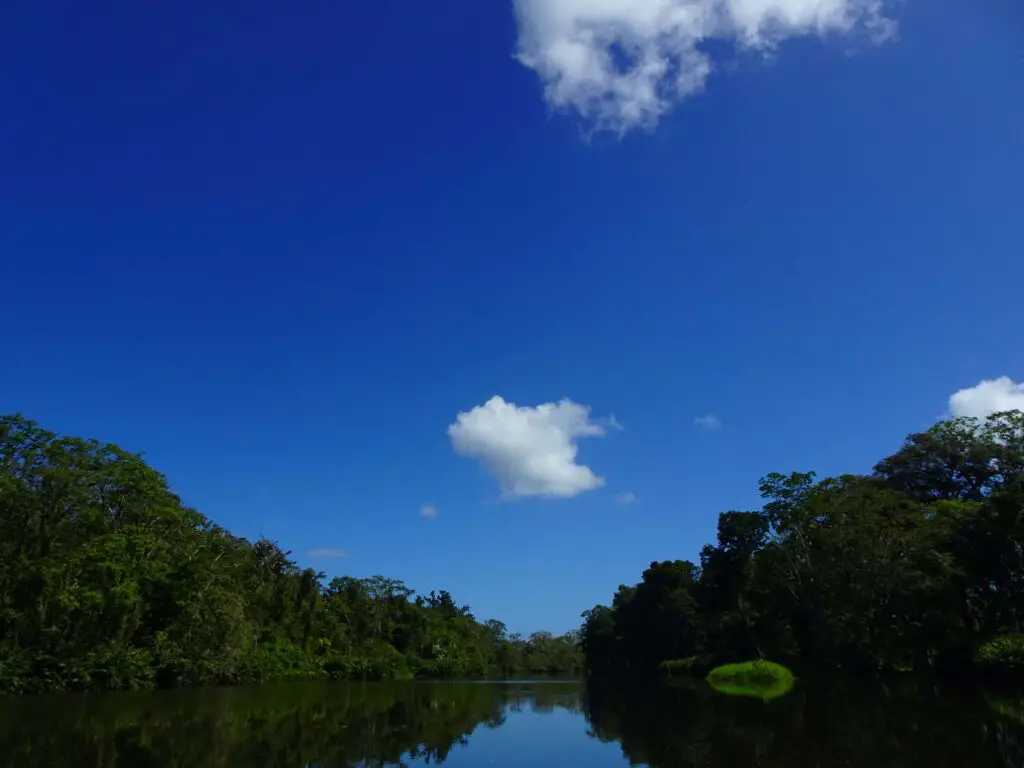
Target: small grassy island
<point x="760" y="679"/>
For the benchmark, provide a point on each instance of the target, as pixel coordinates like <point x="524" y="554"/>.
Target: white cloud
<point x="626" y="498"/>
<point x="708" y="421"/>
<point x="987" y="397"/>
<point x="327" y="552"/>
<point x="428" y="510"/>
<point x="530" y="451"/>
<point x="622" y="64"/>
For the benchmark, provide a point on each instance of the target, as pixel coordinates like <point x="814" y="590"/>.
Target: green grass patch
<point x="758" y="679"/>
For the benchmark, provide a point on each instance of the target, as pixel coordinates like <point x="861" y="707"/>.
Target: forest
<point x="107" y="580"/>
<point x="918" y="566"/>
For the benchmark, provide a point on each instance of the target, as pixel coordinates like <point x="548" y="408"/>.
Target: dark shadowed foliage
<point x="919" y="565"/>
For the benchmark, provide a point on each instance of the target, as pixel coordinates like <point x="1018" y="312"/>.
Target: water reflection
<point x="300" y="725"/>
<point x="836" y="724"/>
<point x="501" y="726"/>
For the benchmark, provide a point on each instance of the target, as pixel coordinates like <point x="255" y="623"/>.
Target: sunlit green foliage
<point x="108" y="581"/>
<point x="757" y="679"/>
<point x="757" y="671"/>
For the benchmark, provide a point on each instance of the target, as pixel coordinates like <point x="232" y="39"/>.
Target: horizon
<point x="508" y="300"/>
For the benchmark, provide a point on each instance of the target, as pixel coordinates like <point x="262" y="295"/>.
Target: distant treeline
<point x="919" y="565"/>
<point x="108" y="581"/>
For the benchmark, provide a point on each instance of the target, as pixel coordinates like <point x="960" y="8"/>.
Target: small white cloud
<point x="530" y="451"/>
<point x="327" y="552"/>
<point x="987" y="397"/>
<point x="428" y="510"/>
<point x="626" y="498"/>
<point x="708" y="421"/>
<point x="622" y="64"/>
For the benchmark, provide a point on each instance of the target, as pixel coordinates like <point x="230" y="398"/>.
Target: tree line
<point x="918" y="565"/>
<point x="107" y="580"/>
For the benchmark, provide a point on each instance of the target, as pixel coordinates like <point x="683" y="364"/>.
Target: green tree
<point x="916" y="565"/>
<point x="108" y="580"/>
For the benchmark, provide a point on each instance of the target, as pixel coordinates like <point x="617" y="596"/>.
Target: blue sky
<point x="281" y="248"/>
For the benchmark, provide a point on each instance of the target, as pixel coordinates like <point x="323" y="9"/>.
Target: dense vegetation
<point x="108" y="581"/>
<point x="919" y="565"/>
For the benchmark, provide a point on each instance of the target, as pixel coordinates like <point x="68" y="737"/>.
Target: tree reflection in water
<point x="674" y="725"/>
<point x="905" y="723"/>
<point x="296" y="725"/>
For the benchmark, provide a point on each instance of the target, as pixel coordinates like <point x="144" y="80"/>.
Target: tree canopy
<point x="107" y="580"/>
<point x="919" y="564"/>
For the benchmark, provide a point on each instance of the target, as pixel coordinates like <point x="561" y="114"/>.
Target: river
<point x="516" y="725"/>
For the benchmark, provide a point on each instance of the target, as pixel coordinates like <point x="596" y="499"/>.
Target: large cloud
<point x="988" y="397"/>
<point x="622" y="64"/>
<point x="530" y="451"/>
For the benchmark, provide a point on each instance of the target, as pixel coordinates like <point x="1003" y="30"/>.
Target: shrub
<point x="15" y="672"/>
<point x="1002" y="655"/>
<point x="380" y="662"/>
<point x="120" y="668"/>
<point x="691" y="665"/>
<point x="279" y="661"/>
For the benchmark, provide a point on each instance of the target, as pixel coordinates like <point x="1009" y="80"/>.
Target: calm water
<point x="514" y="724"/>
